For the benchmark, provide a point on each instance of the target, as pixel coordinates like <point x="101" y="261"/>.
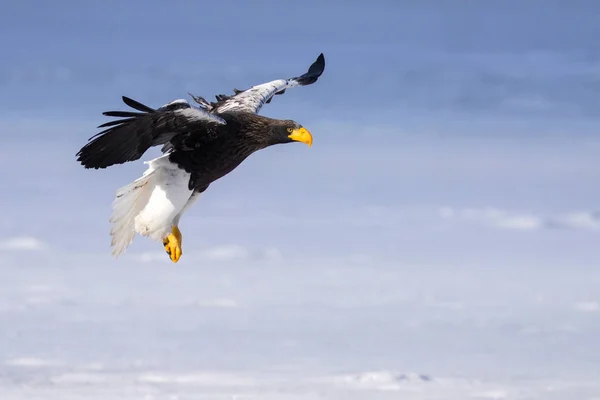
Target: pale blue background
<point x="445" y="217"/>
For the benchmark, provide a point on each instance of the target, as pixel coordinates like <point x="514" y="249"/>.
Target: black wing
<point x="128" y="138"/>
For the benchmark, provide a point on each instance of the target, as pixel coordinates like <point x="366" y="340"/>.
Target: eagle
<point x="201" y="143"/>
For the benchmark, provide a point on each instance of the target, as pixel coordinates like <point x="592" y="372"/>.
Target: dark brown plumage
<point x="244" y="134"/>
<point x="206" y="149"/>
<point x="208" y="141"/>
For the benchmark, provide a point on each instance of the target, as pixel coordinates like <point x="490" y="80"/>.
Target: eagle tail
<point x="129" y="202"/>
<point x="151" y="205"/>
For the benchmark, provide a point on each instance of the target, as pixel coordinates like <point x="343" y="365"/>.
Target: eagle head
<point x="289" y="131"/>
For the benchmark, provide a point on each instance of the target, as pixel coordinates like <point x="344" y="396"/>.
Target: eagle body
<point x="199" y="144"/>
<point x="214" y="156"/>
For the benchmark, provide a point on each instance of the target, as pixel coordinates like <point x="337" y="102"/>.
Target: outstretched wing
<point x="252" y="99"/>
<point x="128" y="138"/>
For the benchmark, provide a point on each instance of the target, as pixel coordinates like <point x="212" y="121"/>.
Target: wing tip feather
<point x="314" y="72"/>
<point x="137" y="105"/>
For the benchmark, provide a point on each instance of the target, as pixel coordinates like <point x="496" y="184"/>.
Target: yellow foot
<point x="173" y="244"/>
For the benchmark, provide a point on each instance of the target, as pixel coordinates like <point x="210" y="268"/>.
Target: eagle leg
<point x="172" y="244"/>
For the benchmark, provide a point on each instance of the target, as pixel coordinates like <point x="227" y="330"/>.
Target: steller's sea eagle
<point x="200" y="144"/>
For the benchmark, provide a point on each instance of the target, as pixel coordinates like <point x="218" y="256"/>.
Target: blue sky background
<point x="456" y="161"/>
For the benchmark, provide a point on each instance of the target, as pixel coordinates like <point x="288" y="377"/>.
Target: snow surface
<point x="239" y="328"/>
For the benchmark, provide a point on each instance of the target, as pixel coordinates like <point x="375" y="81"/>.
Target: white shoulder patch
<point x="178" y="101"/>
<point x="252" y="100"/>
<point x="198" y="114"/>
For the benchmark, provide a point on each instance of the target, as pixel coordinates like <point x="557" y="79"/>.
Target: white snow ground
<point x="237" y="327"/>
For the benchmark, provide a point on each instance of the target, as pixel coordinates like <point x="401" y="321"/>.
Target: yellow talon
<point x="172" y="244"/>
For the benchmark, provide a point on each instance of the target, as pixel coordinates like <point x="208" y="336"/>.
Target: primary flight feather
<point x="200" y="144"/>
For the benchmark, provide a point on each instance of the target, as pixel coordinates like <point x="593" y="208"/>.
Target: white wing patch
<point x="252" y="99"/>
<point x="178" y="101"/>
<point x="181" y="108"/>
<point x="196" y="114"/>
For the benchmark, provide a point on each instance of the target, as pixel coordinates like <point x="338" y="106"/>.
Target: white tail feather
<point x="130" y="200"/>
<point x="150" y="205"/>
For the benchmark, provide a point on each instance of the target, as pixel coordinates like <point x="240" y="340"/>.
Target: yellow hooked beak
<point x="301" y="135"/>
